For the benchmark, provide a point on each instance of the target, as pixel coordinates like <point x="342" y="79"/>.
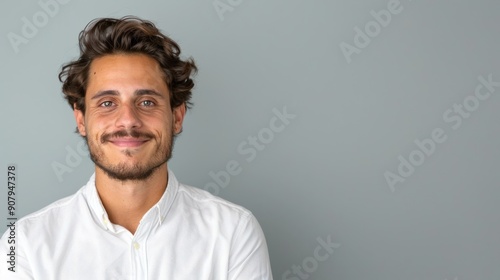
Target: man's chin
<point x="129" y="157"/>
<point x="129" y="152"/>
<point x="129" y="163"/>
<point x="128" y="174"/>
<point x="129" y="170"/>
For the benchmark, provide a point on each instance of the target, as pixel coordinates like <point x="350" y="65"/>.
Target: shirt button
<point x="106" y="223"/>
<point x="136" y="245"/>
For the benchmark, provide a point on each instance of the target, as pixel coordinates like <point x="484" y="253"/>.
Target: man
<point x="129" y="91"/>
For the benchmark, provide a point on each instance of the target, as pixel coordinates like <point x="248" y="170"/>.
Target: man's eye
<point x="106" y="104"/>
<point x="147" y="103"/>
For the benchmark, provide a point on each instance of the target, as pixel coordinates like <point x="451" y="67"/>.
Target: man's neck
<point x="126" y="202"/>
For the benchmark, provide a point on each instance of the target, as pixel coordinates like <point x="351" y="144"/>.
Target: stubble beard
<point x="124" y="171"/>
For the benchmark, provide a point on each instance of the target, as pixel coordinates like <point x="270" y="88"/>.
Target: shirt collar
<point x="158" y="211"/>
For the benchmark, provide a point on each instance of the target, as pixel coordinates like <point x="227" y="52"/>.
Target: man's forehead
<point x="138" y="73"/>
<point x="111" y="61"/>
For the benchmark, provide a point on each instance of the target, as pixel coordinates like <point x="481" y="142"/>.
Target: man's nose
<point x="128" y="117"/>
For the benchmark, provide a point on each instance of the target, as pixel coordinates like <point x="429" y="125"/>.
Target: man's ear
<point x="178" y="114"/>
<point x="80" y="121"/>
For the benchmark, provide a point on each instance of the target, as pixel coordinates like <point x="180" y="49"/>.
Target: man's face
<point x="128" y="122"/>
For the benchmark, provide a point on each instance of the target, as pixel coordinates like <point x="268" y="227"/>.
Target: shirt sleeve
<point x="249" y="257"/>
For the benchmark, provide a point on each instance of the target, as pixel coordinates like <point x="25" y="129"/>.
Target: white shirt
<point x="188" y="234"/>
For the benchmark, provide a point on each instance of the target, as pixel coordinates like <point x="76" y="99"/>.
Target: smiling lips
<point x="128" y="142"/>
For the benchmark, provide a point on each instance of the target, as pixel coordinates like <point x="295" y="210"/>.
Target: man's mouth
<point x="122" y="138"/>
<point x="128" y="142"/>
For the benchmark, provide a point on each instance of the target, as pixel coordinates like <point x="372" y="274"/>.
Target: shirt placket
<point x="138" y="247"/>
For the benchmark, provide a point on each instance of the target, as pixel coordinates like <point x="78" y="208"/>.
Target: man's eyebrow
<point x="104" y="93"/>
<point x="139" y="92"/>
<point x="153" y="92"/>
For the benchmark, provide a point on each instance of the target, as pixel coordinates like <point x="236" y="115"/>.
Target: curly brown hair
<point x="128" y="34"/>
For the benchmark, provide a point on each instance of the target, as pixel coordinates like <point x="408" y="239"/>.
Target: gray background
<point x="323" y="174"/>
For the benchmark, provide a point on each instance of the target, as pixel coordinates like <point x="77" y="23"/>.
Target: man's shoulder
<point x="52" y="210"/>
<point x="203" y="200"/>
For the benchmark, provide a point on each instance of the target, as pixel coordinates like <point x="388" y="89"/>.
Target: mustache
<point x="124" y="133"/>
